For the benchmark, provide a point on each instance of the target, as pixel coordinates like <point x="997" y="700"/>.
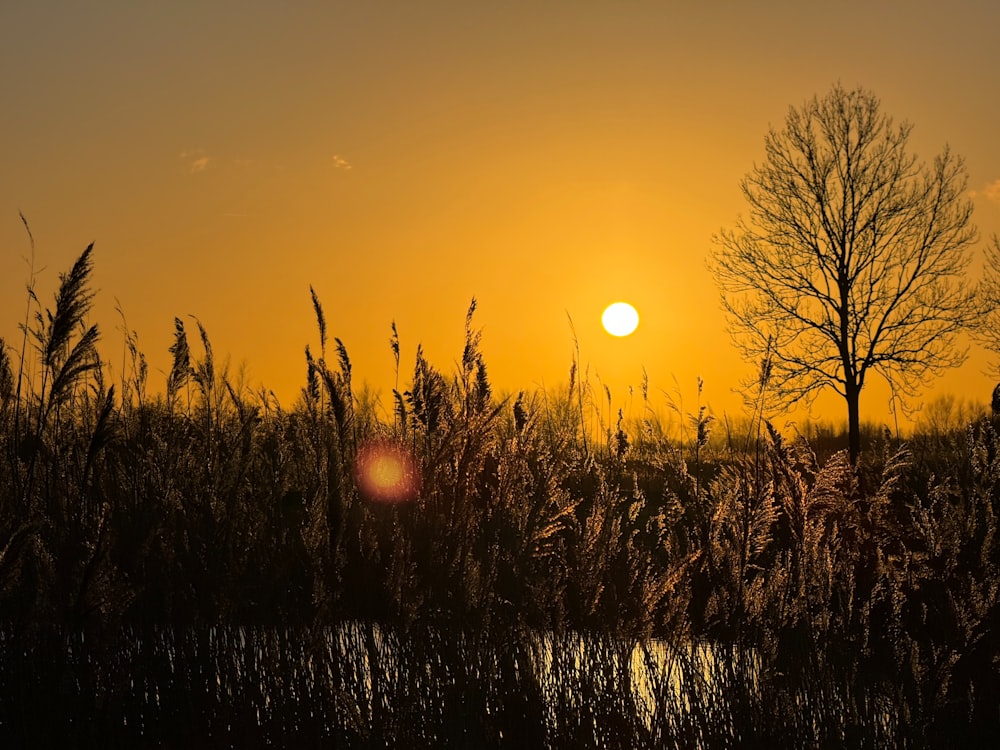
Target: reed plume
<point x="180" y="370"/>
<point x="73" y="301"/>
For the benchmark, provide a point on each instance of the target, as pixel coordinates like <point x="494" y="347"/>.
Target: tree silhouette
<point x="988" y="331"/>
<point x="852" y="258"/>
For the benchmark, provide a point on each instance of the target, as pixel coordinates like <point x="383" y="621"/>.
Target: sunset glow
<point x="404" y="162"/>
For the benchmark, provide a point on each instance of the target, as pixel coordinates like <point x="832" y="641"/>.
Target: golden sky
<point x="402" y="158"/>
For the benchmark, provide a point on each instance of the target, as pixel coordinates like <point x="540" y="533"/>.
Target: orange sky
<point x="546" y="158"/>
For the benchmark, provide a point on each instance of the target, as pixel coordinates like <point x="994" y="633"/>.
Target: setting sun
<point x="620" y="319"/>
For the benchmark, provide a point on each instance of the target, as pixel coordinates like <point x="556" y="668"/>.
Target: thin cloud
<point x="197" y="160"/>
<point x="339" y="162"/>
<point x="199" y="164"/>
<point x="992" y="191"/>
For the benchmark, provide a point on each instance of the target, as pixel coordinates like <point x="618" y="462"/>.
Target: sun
<point x="620" y="319"/>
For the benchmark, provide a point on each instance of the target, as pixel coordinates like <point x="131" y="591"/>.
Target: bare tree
<point x="852" y="258"/>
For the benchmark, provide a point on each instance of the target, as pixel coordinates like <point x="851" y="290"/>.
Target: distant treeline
<point x="207" y="504"/>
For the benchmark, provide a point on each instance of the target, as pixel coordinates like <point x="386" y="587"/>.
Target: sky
<point x="546" y="158"/>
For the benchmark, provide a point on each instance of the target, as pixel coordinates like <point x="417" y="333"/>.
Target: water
<point x="363" y="684"/>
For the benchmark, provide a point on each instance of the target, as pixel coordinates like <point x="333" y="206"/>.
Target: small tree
<point x="852" y="258"/>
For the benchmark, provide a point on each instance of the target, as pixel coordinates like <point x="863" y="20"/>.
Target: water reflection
<point x="362" y="683"/>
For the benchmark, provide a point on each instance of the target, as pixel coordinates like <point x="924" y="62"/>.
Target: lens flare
<point x="385" y="472"/>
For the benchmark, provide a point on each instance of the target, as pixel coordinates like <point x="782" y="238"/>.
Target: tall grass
<point x="192" y="556"/>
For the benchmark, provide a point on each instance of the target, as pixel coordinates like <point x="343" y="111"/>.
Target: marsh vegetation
<point x="196" y="565"/>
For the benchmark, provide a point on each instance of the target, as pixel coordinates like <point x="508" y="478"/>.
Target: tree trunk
<point x="852" y="394"/>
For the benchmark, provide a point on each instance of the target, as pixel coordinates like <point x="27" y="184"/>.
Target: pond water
<point x="365" y="685"/>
